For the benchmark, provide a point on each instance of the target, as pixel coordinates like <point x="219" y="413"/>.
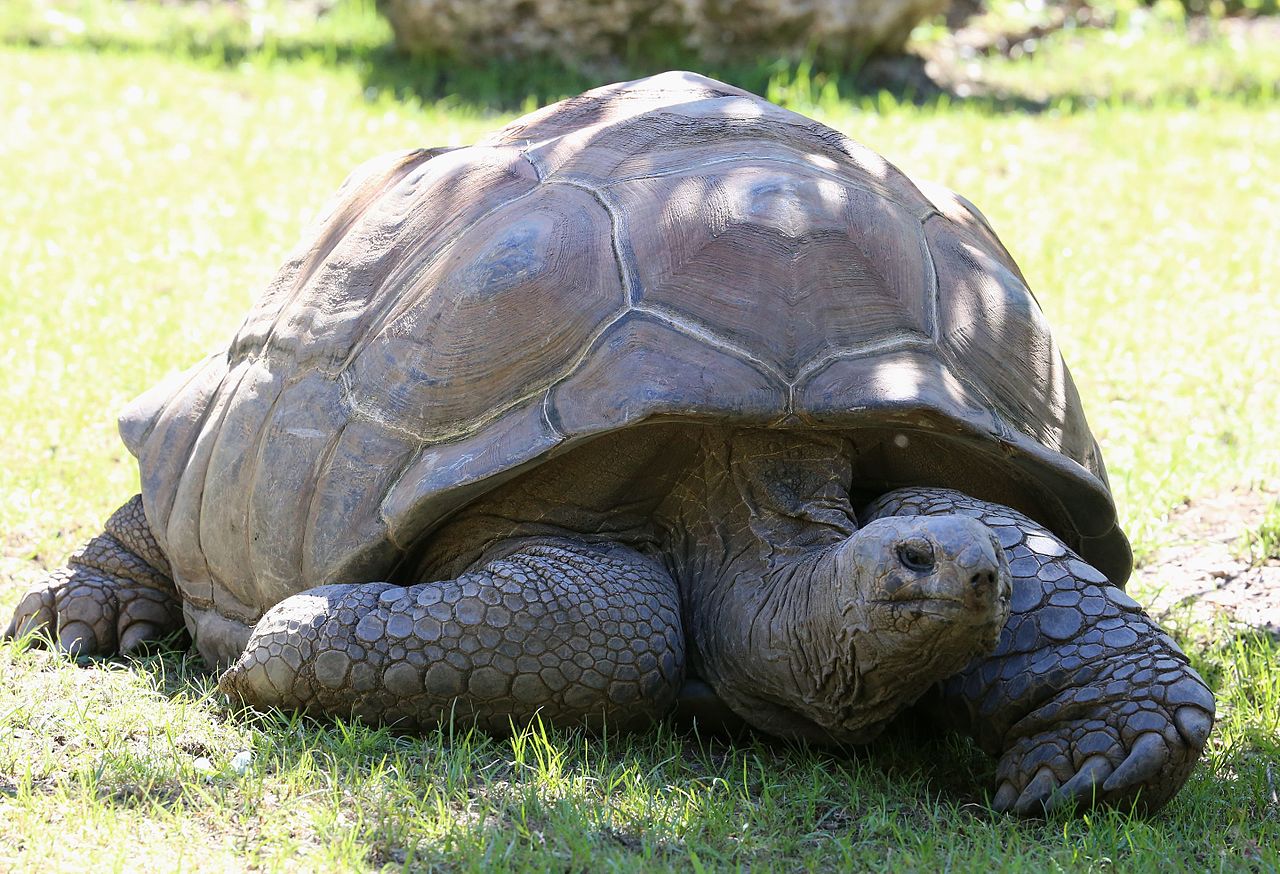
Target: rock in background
<point x="607" y="33"/>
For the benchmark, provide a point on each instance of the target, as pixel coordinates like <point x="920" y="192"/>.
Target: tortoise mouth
<point x="926" y="599"/>
<point x="965" y="610"/>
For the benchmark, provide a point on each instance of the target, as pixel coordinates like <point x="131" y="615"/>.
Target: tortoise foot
<point x="1129" y="737"/>
<point x="110" y="599"/>
<point x="1085" y="700"/>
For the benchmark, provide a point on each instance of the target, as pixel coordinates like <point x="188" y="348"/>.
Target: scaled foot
<point x="113" y="596"/>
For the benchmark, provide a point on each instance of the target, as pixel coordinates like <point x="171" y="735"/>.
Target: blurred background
<point x="1032" y="54"/>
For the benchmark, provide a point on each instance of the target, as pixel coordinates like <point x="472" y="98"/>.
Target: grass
<point x="153" y="180"/>
<point x="1262" y="544"/>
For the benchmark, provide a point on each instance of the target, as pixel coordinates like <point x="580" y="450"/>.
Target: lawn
<point x="152" y="181"/>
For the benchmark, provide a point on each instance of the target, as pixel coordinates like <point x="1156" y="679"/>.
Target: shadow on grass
<point x="351" y="36"/>
<point x="913" y="760"/>
<point x="922" y="762"/>
<point x="511" y="86"/>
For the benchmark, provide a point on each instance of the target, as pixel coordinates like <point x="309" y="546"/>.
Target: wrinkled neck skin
<point x="754" y="530"/>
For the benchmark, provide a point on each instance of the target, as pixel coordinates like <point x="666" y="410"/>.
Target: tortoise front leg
<point x="576" y="632"/>
<point x="1085" y="699"/>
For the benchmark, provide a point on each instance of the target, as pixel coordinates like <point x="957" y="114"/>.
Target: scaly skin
<point x="578" y="632"/>
<point x="1085" y="700"/>
<point x="802" y="624"/>
<point x="113" y="595"/>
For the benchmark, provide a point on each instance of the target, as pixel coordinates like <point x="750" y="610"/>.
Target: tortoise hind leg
<point x="578" y="632"/>
<point x="113" y="595"/>
<point x="1085" y="698"/>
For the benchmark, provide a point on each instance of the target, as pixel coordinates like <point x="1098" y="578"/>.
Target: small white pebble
<point x="241" y="761"/>
<point x="204" y="765"/>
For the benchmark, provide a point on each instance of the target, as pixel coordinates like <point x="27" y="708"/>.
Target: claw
<point x="76" y="639"/>
<point x="1085" y="786"/>
<point x="34" y="613"/>
<point x="1193" y="724"/>
<point x="1041" y="787"/>
<point x="1190" y="689"/>
<point x="137" y="635"/>
<point x="1148" y="756"/>
<point x="1005" y="796"/>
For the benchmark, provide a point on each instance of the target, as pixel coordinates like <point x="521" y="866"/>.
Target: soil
<point x="1207" y="566"/>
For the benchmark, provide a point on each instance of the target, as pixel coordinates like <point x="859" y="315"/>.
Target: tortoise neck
<point x="761" y="497"/>
<point x="751" y="526"/>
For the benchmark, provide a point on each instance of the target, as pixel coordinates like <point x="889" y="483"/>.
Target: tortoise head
<point x="913" y="600"/>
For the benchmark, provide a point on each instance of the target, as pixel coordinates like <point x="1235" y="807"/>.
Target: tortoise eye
<point x="917" y="554"/>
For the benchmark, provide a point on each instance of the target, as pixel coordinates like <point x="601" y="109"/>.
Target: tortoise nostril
<point x="983" y="580"/>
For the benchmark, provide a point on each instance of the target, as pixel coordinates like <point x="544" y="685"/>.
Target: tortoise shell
<point x="666" y="249"/>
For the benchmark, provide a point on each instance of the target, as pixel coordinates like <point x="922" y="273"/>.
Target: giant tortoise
<point x="659" y="397"/>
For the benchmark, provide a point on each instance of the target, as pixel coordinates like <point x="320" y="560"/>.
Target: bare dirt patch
<point x="1206" y="567"/>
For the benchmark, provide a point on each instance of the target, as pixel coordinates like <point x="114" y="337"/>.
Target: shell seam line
<point x="204" y="476"/>
<point x="546" y="415"/>
<point x="615" y="233"/>
<point x="195" y="431"/>
<point x="538" y="170"/>
<point x="693" y="329"/>
<point x="934" y="291"/>
<point x="831" y="175"/>
<point x="903" y="340"/>
<point x="357" y="410"/>
<point x="437" y="437"/>
<point x="308" y="525"/>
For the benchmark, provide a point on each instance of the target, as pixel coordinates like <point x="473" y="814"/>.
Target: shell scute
<point x="771" y="258"/>
<point x="445" y="475"/>
<point x="235" y="461"/>
<point x="298" y="440"/>
<point x="342" y="300"/>
<point x="355" y="207"/>
<point x="496" y="319"/>
<point x="986" y="312"/>
<point x="645" y="366"/>
<point x="345" y="537"/>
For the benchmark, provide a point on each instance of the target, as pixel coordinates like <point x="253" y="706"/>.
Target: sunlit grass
<point x="148" y="197"/>
<point x="142" y="758"/>
<point x="1262" y="544"/>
